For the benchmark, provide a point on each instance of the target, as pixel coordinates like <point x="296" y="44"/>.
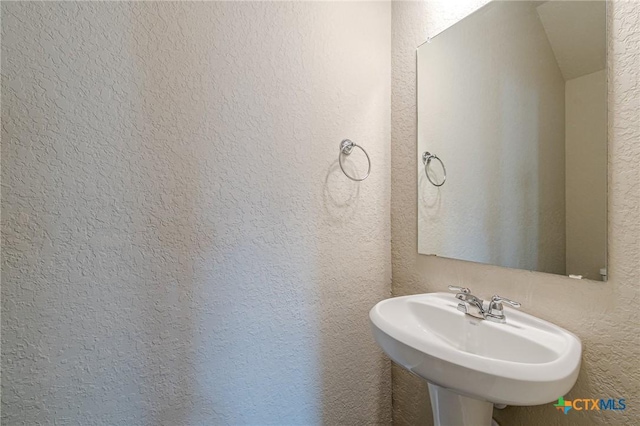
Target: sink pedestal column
<point x="452" y="409"/>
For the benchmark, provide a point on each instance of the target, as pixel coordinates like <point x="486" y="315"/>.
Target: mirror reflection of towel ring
<point x="426" y="160"/>
<point x="346" y="146"/>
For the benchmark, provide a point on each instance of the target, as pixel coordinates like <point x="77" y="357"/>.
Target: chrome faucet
<point x="478" y="308"/>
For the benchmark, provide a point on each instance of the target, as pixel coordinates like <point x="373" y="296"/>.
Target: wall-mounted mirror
<point x="513" y="101"/>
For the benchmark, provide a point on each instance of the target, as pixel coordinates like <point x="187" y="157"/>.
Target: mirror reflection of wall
<point x="513" y="99"/>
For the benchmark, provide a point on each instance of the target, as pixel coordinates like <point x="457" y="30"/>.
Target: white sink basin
<point x="525" y="361"/>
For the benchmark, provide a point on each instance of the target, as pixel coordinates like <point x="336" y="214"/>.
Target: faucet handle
<point x="496" y="310"/>
<point x="499" y="299"/>
<point x="464" y="290"/>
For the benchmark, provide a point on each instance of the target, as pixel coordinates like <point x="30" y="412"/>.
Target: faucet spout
<point x="471" y="305"/>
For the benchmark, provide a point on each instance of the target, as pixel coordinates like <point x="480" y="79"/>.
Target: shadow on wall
<point x="168" y="227"/>
<point x="341" y="194"/>
<point x="239" y="249"/>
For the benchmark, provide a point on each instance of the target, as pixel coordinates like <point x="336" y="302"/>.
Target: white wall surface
<point x="491" y="106"/>
<point x="603" y="315"/>
<point x="179" y="243"/>
<point x="586" y="168"/>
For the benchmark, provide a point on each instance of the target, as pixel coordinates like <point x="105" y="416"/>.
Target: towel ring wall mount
<point x="426" y="160"/>
<point x="346" y="148"/>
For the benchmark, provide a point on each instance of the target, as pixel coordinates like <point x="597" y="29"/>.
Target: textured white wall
<point x="604" y="315"/>
<point x="586" y="178"/>
<point x="503" y="202"/>
<point x="179" y="244"/>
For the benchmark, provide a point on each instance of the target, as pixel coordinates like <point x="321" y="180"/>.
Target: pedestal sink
<point x="472" y="363"/>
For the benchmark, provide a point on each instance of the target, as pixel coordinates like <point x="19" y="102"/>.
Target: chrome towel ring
<point x="426" y="160"/>
<point x="346" y="146"/>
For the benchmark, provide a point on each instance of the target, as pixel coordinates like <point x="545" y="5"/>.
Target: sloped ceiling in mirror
<point x="576" y="31"/>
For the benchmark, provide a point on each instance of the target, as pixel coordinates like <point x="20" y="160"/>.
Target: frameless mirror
<point x="512" y="138"/>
